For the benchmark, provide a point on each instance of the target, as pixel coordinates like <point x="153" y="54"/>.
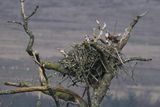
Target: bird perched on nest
<point x="110" y="38"/>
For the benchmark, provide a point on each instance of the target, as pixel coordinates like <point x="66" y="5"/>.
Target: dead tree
<point x="94" y="62"/>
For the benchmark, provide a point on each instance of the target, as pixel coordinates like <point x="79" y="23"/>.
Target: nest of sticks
<point x="88" y="61"/>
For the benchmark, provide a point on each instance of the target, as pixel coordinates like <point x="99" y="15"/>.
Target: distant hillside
<point x="29" y="100"/>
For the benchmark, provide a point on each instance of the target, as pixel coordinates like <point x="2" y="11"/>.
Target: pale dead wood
<point x="126" y="35"/>
<point x="24" y="89"/>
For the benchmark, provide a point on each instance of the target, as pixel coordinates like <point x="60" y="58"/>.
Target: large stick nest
<point x="90" y="60"/>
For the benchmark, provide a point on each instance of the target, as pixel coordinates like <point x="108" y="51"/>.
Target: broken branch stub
<point x="125" y="36"/>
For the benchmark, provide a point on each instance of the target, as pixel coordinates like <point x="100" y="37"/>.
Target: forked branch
<point x="45" y="87"/>
<point x="59" y="92"/>
<point x="125" y="36"/>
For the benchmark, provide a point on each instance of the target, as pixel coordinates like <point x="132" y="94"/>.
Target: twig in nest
<point x="119" y="56"/>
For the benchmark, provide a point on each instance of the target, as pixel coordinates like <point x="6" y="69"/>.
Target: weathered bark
<point x="59" y="92"/>
<point x="126" y="35"/>
<point x="102" y="89"/>
<point x="23" y="89"/>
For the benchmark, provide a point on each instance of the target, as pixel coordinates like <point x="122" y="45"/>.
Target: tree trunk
<point x="100" y="92"/>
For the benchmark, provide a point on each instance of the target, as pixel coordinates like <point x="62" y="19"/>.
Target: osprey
<point x="113" y="39"/>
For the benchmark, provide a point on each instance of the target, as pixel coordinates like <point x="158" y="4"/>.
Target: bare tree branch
<point x="24" y="89"/>
<point x="42" y="74"/>
<point x="27" y="30"/>
<point x="137" y="59"/>
<point x="53" y="66"/>
<point x="101" y="90"/>
<point x="21" y="84"/>
<point x="69" y="95"/>
<point x="16" y="22"/>
<point x="34" y="12"/>
<point x="59" y="92"/>
<point x="125" y="36"/>
<point x="36" y="58"/>
<point x="134" y="59"/>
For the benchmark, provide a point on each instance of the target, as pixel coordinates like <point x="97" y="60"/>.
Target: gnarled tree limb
<point x="125" y="36"/>
<point x="45" y="87"/>
<point x="23" y="89"/>
<point x="59" y="92"/>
